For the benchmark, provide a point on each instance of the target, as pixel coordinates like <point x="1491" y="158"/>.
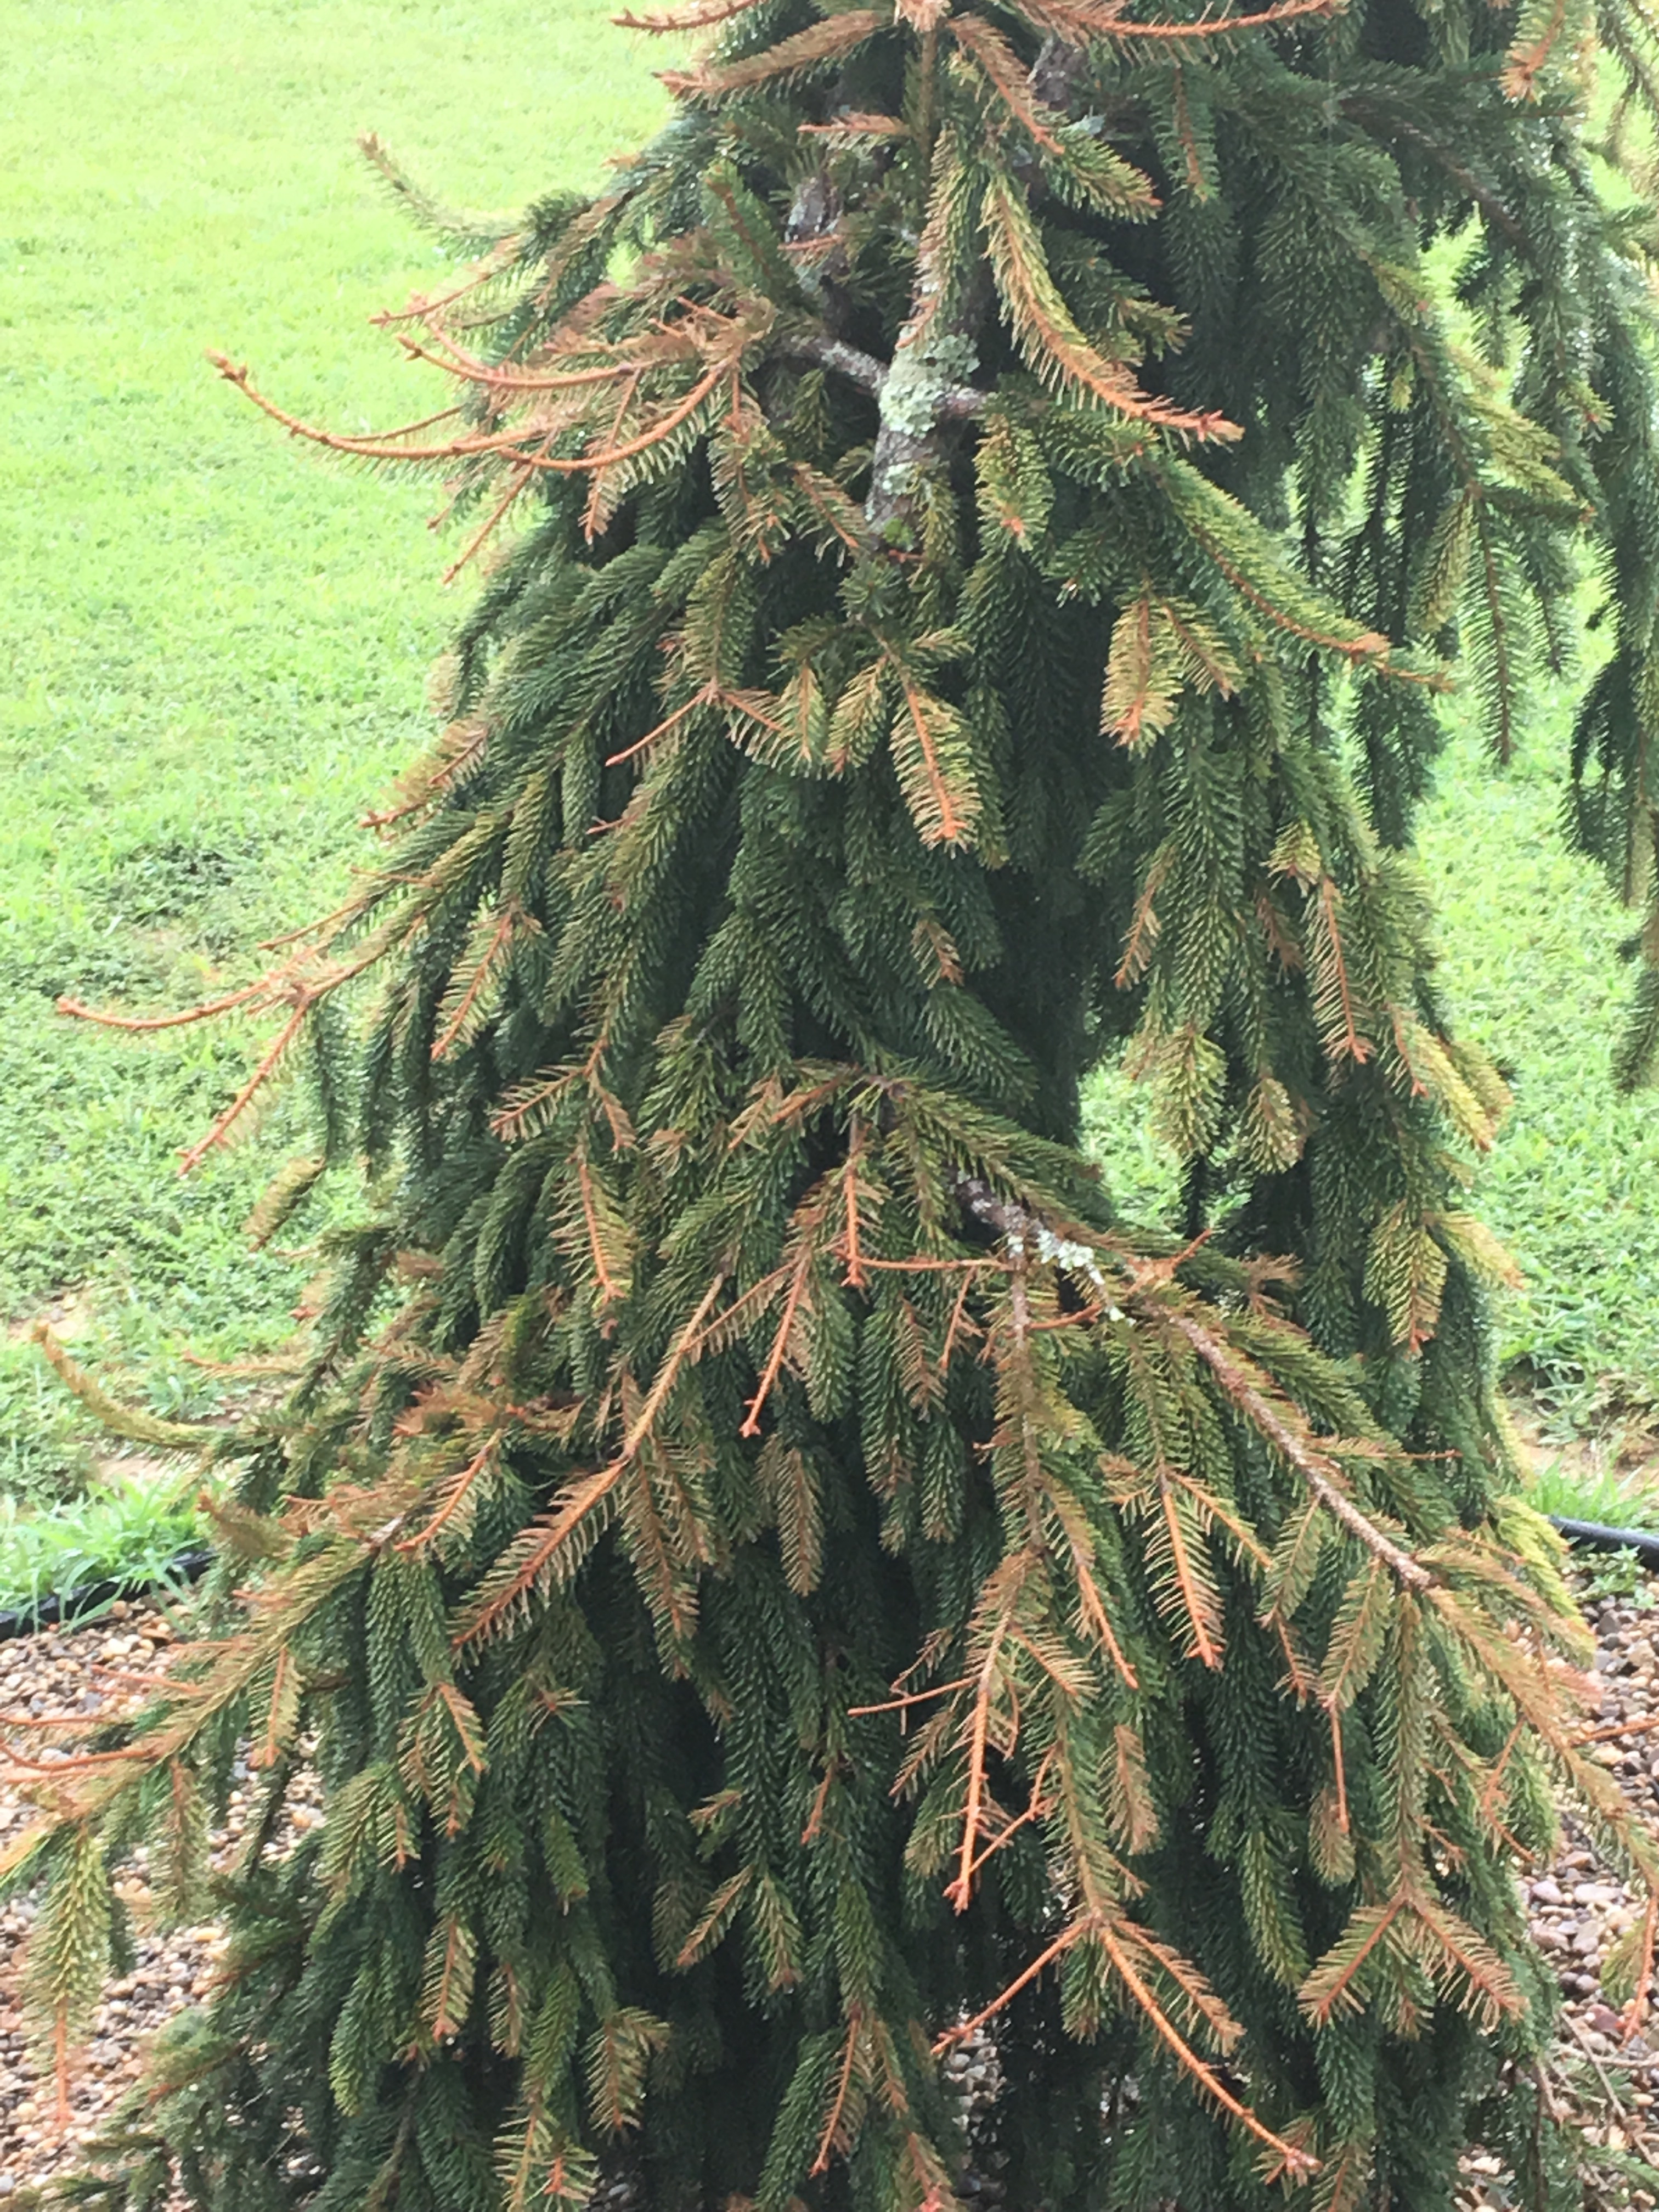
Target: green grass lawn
<point x="215" y="644"/>
<point x="1530" y="965"/>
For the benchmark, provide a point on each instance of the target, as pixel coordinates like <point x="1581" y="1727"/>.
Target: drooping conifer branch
<point x="776" y="1574"/>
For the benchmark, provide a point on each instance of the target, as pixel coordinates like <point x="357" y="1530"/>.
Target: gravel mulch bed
<point x="74" y="1671"/>
<point x="1579" y="1907"/>
<point x="89" y="1671"/>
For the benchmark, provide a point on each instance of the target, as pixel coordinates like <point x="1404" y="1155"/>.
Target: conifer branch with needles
<point x="778" y="1576"/>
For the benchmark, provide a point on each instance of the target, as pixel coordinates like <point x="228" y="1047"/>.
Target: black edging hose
<point x="62" y="1610"/>
<point x="1595" y="1536"/>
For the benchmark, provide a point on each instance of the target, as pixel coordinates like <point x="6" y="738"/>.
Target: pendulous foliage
<point x="777" y="1578"/>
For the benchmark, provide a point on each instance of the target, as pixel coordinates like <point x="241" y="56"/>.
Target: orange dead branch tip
<point x="267" y="1067"/>
<point x="580" y="1500"/>
<point x="1615" y="1730"/>
<point x="308" y="928"/>
<point x="855" y="1277"/>
<point x="491" y="522"/>
<point x="913" y="1697"/>
<point x="791" y="1304"/>
<point x="459" y="1492"/>
<point x="706" y="697"/>
<point x="1519" y="80"/>
<point x="960" y="1892"/>
<point x="1038" y="1809"/>
<point x="1095" y="21"/>
<point x="814" y="1826"/>
<point x="605" y="1282"/>
<point x="925" y="1267"/>
<point x="1147" y="1274"/>
<point x="967" y="2028"/>
<point x="960" y="1320"/>
<point x="1296" y="2161"/>
<point x="1339" y="1765"/>
<point x="831" y="2138"/>
<point x="506" y="928"/>
<point x="78" y="1011"/>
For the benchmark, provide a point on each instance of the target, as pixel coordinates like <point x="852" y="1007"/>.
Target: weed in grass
<point x="128" y="1530"/>
<point x="1579" y="1486"/>
<point x="1619" y="1575"/>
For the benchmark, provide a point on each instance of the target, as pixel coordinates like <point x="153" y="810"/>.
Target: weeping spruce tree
<point x="777" y="1575"/>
